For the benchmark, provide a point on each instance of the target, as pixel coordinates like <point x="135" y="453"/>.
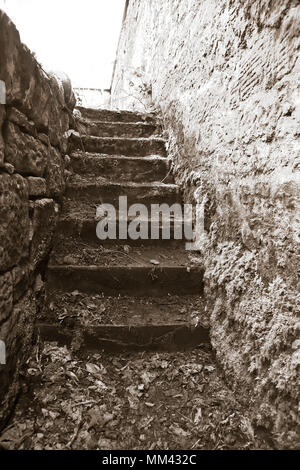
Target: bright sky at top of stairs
<point x="78" y="37"/>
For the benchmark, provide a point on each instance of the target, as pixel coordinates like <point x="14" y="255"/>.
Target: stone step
<point x="116" y="116"/>
<point x="118" y="338"/>
<point x="83" y="210"/>
<point x="121" y="168"/>
<point x="136" y="281"/>
<point x="70" y="250"/>
<point x="125" y="322"/>
<point x="117" y="129"/>
<point x="96" y="193"/>
<point x="85" y="231"/>
<point x="118" y="145"/>
<point x="89" y="310"/>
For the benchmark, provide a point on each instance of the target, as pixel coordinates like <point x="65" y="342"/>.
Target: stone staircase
<point x="119" y="294"/>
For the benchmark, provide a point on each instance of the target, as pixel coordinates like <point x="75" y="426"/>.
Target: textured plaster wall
<point x="226" y="78"/>
<point x="35" y="112"/>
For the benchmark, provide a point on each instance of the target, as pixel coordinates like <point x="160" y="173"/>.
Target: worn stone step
<point x="116" y="323"/>
<point x="118" y="145"/>
<point x="138" y="281"/>
<point x="116" y="115"/>
<point x="117" y="129"/>
<point x="87" y="209"/>
<point x="117" y="338"/>
<point x="85" y="231"/>
<point x="96" y="193"/>
<point x="89" y="310"/>
<point x="70" y="250"/>
<point x="121" y="168"/>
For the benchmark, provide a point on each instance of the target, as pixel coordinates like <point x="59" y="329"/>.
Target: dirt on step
<point x="93" y="310"/>
<point x="72" y="251"/>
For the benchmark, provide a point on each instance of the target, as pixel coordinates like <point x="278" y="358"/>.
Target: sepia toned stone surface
<point x="20" y="279"/>
<point x="14" y="220"/>
<point x="17" y="334"/>
<point x="55" y="179"/>
<point x="6" y="296"/>
<point x="36" y="186"/>
<point x="27" y="154"/>
<point x="225" y="76"/>
<point x="2" y="117"/>
<point x="34" y="118"/>
<point x="38" y="95"/>
<point x="17" y="117"/>
<point x="43" y="226"/>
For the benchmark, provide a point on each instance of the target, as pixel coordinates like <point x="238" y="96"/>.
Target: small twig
<point x="194" y="445"/>
<point x="169" y="172"/>
<point x="125" y="254"/>
<point x="75" y="434"/>
<point x="131" y="95"/>
<point x="38" y="355"/>
<point x="6" y="429"/>
<point x="22" y="439"/>
<point x="88" y="402"/>
<point x="108" y="251"/>
<point x="185" y="417"/>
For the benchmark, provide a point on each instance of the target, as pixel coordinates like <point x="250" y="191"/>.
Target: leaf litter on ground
<point x="130" y="401"/>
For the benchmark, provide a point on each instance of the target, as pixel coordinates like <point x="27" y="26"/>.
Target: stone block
<point x="54" y="174"/>
<point x="58" y="125"/>
<point x="43" y="225"/>
<point x="27" y="154"/>
<point x="15" y="116"/>
<point x="9" y="46"/>
<point x="36" y="186"/>
<point x="20" y="280"/>
<point x="17" y="335"/>
<point x="6" y="296"/>
<point x="7" y="168"/>
<point x="14" y="220"/>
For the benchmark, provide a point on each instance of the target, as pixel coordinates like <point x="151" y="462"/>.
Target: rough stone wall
<point x="35" y="112"/>
<point x="226" y="78"/>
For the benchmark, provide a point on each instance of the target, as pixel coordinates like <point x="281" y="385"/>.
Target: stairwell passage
<point x="119" y="154"/>
<point x="126" y="361"/>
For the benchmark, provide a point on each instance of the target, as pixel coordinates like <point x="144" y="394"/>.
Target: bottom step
<point x="96" y="322"/>
<point x="115" y="338"/>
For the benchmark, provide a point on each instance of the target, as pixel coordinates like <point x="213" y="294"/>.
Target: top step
<point x="116" y="116"/>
